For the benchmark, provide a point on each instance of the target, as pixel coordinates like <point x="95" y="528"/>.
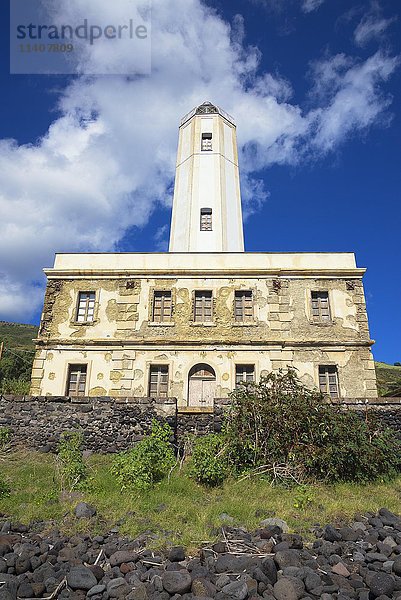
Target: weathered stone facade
<point x="122" y="341"/>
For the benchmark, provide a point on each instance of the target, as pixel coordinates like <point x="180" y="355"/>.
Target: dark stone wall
<point x="201" y="423"/>
<point x="108" y="424"/>
<point x="115" y="424"/>
<point x="386" y="410"/>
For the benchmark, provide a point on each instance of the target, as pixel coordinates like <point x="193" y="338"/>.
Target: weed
<point x="72" y="466"/>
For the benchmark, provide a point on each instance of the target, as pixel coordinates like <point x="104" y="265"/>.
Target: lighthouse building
<point x="194" y="322"/>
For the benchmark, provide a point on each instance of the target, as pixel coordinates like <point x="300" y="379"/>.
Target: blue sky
<point x="314" y="86"/>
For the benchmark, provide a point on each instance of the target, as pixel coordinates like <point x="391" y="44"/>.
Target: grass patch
<point x="179" y="511"/>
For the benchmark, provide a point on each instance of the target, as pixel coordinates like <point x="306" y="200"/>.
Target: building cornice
<point x="60" y="344"/>
<point x="202" y="273"/>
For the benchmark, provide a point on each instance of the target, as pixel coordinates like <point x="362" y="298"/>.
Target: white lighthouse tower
<point x="207" y="214"/>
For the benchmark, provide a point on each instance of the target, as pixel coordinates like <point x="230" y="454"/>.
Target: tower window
<point x="203" y="306"/>
<point x="243" y="306"/>
<point x="328" y="380"/>
<point x="206" y="219"/>
<point x="86" y="307"/>
<point x="320" y="307"/>
<point x="206" y="143"/>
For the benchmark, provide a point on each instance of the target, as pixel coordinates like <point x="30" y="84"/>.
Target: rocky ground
<point x="360" y="561"/>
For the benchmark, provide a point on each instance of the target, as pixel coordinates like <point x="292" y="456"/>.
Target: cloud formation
<point x="108" y="161"/>
<point x="372" y="26"/>
<point x="311" y="5"/>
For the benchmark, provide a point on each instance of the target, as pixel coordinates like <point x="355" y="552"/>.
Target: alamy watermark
<point x="44" y="41"/>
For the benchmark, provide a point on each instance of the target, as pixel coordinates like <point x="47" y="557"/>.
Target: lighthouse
<point x="207" y="215"/>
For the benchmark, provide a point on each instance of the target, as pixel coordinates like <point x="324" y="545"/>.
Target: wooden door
<point x="201" y="386"/>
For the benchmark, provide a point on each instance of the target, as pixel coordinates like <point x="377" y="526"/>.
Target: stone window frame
<point x="246" y="322"/>
<point x="320" y="323"/>
<point x="152" y="292"/>
<point x="159" y="364"/>
<point x="67" y="376"/>
<point x="327" y="392"/>
<point x="203" y="323"/>
<point x="237" y="366"/>
<point x="74" y="320"/>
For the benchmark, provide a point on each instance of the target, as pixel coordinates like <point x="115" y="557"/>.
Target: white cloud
<point x="311" y="5"/>
<point x="280" y="6"/>
<point x="371" y="27"/>
<point x="354" y="101"/>
<point x="108" y="160"/>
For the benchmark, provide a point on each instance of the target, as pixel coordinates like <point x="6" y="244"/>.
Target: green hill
<point x="17" y="335"/>
<point x="388" y="380"/>
<point x="17" y="357"/>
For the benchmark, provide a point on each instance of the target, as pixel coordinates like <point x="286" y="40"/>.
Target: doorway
<point x="201" y="385"/>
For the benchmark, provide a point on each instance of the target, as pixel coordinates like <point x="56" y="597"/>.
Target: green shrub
<point x="304" y="496"/>
<point x="19" y="387"/>
<point x="72" y="466"/>
<point x="281" y="427"/>
<point x="148" y="462"/>
<point x="209" y="461"/>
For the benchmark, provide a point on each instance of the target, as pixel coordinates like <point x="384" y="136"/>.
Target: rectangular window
<point x="161" y="307"/>
<point x="320" y="307"/>
<point x="243" y="305"/>
<point x="86" y="307"/>
<point x="244" y="373"/>
<point x="328" y="380"/>
<point x="206" y="219"/>
<point x="203" y="306"/>
<point x="158" y="381"/>
<point x="206" y="143"/>
<point x="76" y="381"/>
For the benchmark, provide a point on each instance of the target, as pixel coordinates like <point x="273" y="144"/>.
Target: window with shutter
<point x="76" y="382"/>
<point x="203" y="306"/>
<point x="243" y="306"/>
<point x="86" y="307"/>
<point x="161" y="307"/>
<point x="158" y="381"/>
<point x="328" y="380"/>
<point x="320" y="307"/>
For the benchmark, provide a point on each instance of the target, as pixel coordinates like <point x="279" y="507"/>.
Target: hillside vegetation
<point x="18" y="335"/>
<point x="17" y="358"/>
<point x="388" y="379"/>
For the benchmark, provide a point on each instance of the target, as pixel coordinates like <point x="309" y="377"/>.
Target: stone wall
<point x="115" y="424"/>
<point x="193" y="421"/>
<point x="387" y="410"/>
<point x="108" y="424"/>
